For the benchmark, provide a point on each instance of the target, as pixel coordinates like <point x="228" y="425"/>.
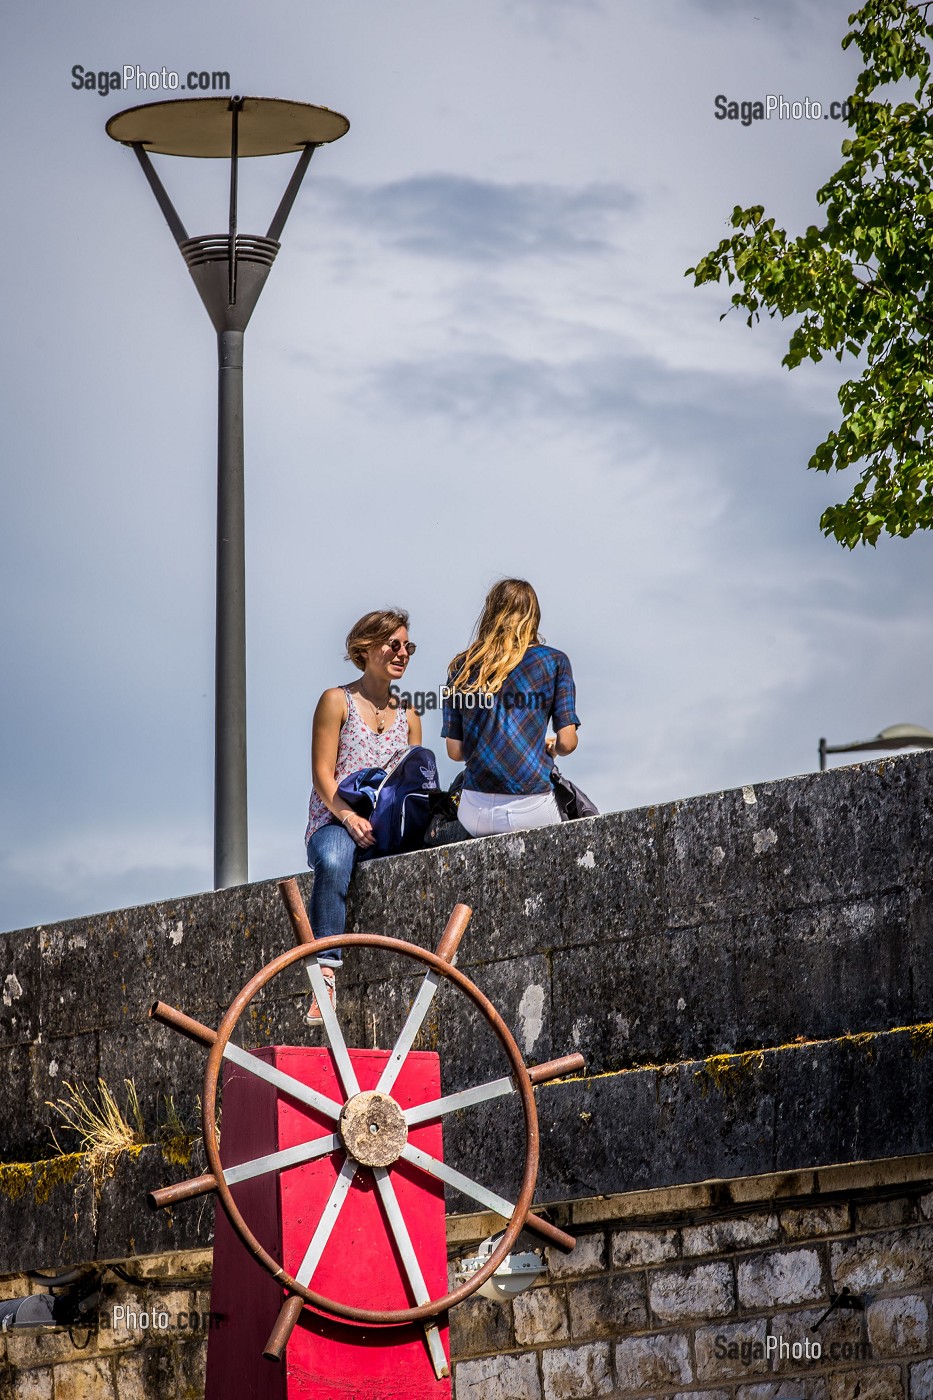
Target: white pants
<point x="493" y="813"/>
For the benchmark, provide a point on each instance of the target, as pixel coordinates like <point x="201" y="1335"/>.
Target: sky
<point x="477" y="355"/>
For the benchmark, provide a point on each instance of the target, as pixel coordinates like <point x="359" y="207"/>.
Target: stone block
<point x="31" y="1349"/>
<point x="135" y="1318"/>
<point x="664" y="995"/>
<point x="540" y="1316"/>
<point x="722" y="1236"/>
<point x="808" y="1221"/>
<point x="731" y="1350"/>
<point x="873" y="1383"/>
<point x="194" y="1262"/>
<point x="19" y="989"/>
<point x="899" y="1326"/>
<point x="31" y="1385"/>
<point x="190" y="1366"/>
<point x="520" y="990"/>
<point x="638" y="1205"/>
<point x="926" y="1205"/>
<point x="702" y="1292"/>
<point x="882" y="1215"/>
<point x="85" y="1380"/>
<point x="821" y="951"/>
<point x="607" y="1307"/>
<point x="498" y="1378"/>
<point x="702" y="1395"/>
<point x="576" y="1373"/>
<point x="901" y="1259"/>
<point x="780" y="1279"/>
<point x="799" y="1388"/>
<point x="159" y="1374"/>
<point x="480" y="1326"/>
<point x="631" y="1248"/>
<point x="841" y="1330"/>
<point x="657" y="1363"/>
<point x="921" y="1381"/>
<point x="130" y="1378"/>
<point x="587" y="1257"/>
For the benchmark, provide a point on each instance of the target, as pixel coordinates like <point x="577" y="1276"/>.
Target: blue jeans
<point x="332" y="854"/>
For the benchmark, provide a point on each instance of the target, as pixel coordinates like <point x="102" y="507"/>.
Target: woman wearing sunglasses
<point x="504" y="690"/>
<point x="355" y="726"/>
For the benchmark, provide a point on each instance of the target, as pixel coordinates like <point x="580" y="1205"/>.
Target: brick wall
<point x="683" y="1309"/>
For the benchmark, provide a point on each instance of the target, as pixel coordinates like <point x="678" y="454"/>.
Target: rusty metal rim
<point x="522" y="1082"/>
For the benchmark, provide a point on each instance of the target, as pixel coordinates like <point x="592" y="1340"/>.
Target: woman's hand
<point x="563" y="742"/>
<point x="359" y="828"/>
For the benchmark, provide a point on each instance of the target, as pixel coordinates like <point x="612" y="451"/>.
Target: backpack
<point x="395" y="799"/>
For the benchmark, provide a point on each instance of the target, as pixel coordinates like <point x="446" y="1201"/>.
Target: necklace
<point x="378" y="710"/>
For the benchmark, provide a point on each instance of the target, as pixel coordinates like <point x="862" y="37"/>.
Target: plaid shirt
<point x="503" y="741"/>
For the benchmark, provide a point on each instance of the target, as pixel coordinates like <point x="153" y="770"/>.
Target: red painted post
<point x="325" y="1359"/>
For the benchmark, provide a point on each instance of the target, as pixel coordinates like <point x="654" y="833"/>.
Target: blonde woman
<point x="355" y="726"/>
<point x="504" y="691"/>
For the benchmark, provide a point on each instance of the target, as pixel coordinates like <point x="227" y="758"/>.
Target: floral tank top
<point x="359" y="747"/>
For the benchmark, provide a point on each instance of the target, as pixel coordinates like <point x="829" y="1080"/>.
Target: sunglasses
<point x="396" y="646"/>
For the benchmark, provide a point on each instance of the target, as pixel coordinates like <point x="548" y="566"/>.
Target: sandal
<point x="314" y="1015"/>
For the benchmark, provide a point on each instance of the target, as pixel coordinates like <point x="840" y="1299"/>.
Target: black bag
<point x="443" y="826"/>
<point x="572" y="802"/>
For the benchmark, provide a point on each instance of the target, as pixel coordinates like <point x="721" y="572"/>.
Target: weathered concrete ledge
<point x="758" y="1114"/>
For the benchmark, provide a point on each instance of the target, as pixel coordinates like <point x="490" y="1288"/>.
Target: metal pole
<point x="822" y="755"/>
<point x="230" y="838"/>
<point x="235" y="106"/>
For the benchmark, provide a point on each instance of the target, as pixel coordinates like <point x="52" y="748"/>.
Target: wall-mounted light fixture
<point x="516" y="1272"/>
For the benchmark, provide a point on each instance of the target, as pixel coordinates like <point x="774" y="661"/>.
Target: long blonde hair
<point x="505" y="629"/>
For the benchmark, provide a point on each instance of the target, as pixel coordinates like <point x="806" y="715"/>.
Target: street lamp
<point x="896" y="736"/>
<point x="229" y="271"/>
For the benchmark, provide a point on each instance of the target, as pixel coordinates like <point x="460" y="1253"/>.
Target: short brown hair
<point x="373" y="628"/>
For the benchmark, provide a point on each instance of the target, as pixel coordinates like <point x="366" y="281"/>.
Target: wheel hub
<point x="373" y="1129"/>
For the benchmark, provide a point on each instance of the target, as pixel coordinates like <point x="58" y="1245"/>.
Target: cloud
<point x="481" y="221"/>
<point x="779" y="13"/>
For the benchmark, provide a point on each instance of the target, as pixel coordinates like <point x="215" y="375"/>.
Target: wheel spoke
<point x="401" y="1236"/>
<point x="410" y="1264"/>
<point x="338" y="1045"/>
<point x="450" y="1103"/>
<point x="278" y="1161"/>
<point x="326" y="1223"/>
<point x="410" y="1029"/>
<point x="452" y="1177"/>
<point x="285" y="1082"/>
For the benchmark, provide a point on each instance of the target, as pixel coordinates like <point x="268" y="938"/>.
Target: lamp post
<point x="229" y="271"/>
<point x="896" y="736"/>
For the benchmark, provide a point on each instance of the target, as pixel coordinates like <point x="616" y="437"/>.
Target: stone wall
<point x="790" y="925"/>
<point x="680" y="1303"/>
<point x="669" y="1295"/>
<point x="749" y="976"/>
<point x="148" y="1341"/>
